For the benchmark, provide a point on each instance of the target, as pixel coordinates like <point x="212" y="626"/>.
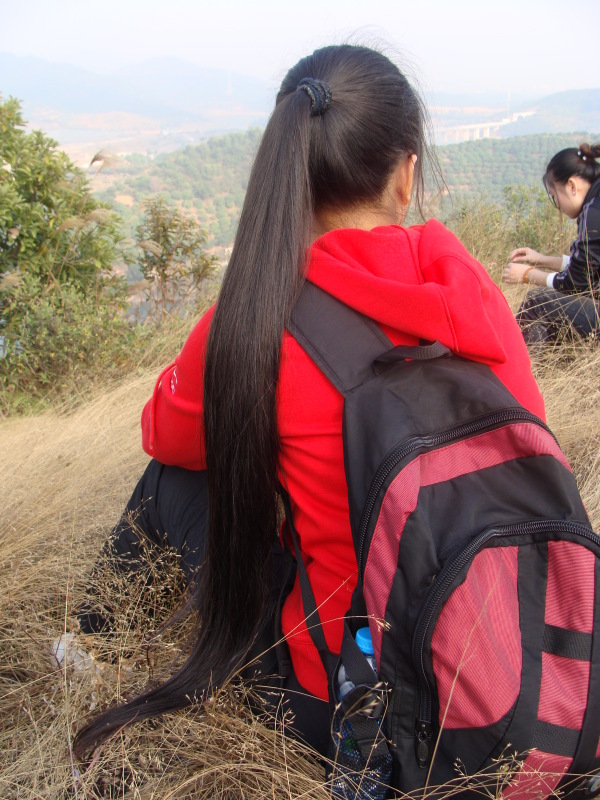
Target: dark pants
<point x="169" y="508"/>
<point x="545" y="314"/>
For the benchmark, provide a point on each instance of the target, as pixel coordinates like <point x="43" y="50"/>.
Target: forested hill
<point x="486" y="166"/>
<point x="208" y="181"/>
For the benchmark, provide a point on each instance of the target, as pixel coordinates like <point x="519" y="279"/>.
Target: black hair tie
<point x="319" y="93"/>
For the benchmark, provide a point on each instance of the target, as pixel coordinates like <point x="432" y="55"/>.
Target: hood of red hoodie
<point x="419" y="281"/>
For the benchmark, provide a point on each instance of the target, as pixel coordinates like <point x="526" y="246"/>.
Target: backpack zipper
<point x="432" y="441"/>
<point x="424" y="723"/>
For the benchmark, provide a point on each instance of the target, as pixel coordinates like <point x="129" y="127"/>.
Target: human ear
<point x="403" y="180"/>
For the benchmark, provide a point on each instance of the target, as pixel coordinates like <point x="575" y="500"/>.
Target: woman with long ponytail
<point x="326" y="199"/>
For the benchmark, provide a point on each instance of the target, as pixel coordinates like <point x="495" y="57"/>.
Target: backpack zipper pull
<point x="423" y="735"/>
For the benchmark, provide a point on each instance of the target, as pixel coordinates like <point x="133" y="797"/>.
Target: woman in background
<point x="571" y="294"/>
<point x="326" y="199"/>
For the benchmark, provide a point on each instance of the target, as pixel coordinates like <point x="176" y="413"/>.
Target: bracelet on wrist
<point x="526" y="273"/>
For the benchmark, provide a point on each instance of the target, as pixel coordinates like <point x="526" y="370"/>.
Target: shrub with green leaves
<point x="63" y="342"/>
<point x="50" y="224"/>
<point x="171" y="257"/>
<point x="61" y="300"/>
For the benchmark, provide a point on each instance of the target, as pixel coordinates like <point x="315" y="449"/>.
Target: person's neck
<point x="362" y="217"/>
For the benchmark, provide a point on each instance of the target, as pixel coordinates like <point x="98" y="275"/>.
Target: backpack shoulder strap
<point x="348" y="347"/>
<point x="343" y="343"/>
<point x="309" y="604"/>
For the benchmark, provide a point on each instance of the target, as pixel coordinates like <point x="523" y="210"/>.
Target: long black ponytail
<point x="340" y="156"/>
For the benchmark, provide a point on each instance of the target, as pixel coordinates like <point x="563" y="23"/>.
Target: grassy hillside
<point x="64" y="476"/>
<point x="209" y="181"/>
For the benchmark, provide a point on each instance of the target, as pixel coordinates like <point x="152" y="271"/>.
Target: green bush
<point x="62" y="301"/>
<point x="61" y="340"/>
<point x="172" y="258"/>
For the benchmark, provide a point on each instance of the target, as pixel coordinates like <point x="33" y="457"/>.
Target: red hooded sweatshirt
<point x="417" y="283"/>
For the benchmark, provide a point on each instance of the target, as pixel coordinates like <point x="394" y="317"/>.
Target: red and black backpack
<point x="477" y="568"/>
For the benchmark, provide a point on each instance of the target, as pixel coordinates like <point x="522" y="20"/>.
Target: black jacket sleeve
<point x="583" y="272"/>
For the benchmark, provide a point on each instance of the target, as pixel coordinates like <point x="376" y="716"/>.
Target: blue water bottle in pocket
<point x="362" y="763"/>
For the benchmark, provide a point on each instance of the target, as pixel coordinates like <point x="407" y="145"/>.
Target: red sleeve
<point x="172" y="426"/>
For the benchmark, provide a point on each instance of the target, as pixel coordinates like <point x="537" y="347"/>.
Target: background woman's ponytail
<point x="344" y="117"/>
<point x="580" y="161"/>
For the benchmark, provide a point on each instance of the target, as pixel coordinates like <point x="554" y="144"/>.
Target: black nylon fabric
<point x="328" y="330"/>
<point x="460" y="748"/>
<point x="426" y="352"/>
<point x="567" y="644"/>
<point x="556" y="739"/>
<point x="532" y="584"/>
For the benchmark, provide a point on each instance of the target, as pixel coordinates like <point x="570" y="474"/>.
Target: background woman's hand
<point x="525" y="255"/>
<point x="513" y="272"/>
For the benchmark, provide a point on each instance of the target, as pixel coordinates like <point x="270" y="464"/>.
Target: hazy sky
<point x="518" y="46"/>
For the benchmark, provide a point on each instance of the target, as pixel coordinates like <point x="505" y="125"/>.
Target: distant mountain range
<point x="166" y="103"/>
<point x="156" y="96"/>
<point x="562" y="112"/>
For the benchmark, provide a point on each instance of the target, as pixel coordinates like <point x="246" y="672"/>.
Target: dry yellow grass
<point x="568" y="374"/>
<point x="64" y="477"/>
